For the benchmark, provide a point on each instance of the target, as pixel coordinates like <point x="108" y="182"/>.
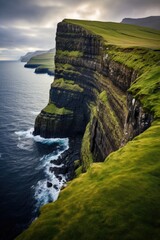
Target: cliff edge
<point x="106" y="91"/>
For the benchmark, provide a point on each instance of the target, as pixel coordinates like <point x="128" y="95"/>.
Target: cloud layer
<point x="30" y="25"/>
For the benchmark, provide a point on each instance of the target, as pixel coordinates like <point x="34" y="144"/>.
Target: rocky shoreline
<point x="65" y="164"/>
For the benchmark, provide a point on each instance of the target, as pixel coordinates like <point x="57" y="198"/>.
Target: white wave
<point x="0" y="155"/>
<point x="25" y="134"/>
<point x="25" y="146"/>
<point x="25" y="141"/>
<point x="29" y="134"/>
<point x="63" y="141"/>
<point x="43" y="193"/>
<point x="35" y="113"/>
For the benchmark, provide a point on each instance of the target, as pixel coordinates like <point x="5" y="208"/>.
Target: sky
<point x="29" y="25"/>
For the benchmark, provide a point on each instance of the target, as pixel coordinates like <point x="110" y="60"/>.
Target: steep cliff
<point x="106" y="91"/>
<point x="91" y="85"/>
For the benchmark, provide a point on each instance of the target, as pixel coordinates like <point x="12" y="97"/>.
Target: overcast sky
<point x="28" y="25"/>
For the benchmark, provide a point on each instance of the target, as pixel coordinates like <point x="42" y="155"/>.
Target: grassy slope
<point x="45" y="60"/>
<point x="123" y="35"/>
<point x="120" y="198"/>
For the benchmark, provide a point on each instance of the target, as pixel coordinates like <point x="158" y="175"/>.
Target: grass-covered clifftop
<point x="123" y="35"/>
<point x="119" y="198"/>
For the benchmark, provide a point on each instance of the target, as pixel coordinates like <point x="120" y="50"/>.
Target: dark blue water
<point x="24" y="159"/>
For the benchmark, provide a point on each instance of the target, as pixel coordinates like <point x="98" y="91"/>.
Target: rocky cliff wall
<point x="90" y="88"/>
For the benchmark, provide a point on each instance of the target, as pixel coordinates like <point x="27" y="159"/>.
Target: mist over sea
<point x="24" y="159"/>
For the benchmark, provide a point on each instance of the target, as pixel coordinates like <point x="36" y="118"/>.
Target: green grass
<point x="69" y="53"/>
<point x="67" y="84"/>
<point x="66" y="66"/>
<point x="140" y="59"/>
<point x="53" y="109"/>
<point x="111" y="118"/>
<point x="103" y="96"/>
<point x="86" y="154"/>
<point x="120" y="34"/>
<point x="117" y="199"/>
<point x="147" y="89"/>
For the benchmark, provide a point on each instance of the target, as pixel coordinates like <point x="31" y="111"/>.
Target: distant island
<point x="152" y="22"/>
<point x="42" y="61"/>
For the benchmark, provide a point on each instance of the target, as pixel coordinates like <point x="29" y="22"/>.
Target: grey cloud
<point x="15" y="11"/>
<point x="42" y="16"/>
<point x="119" y="9"/>
<point x="36" y="12"/>
<point x="40" y="37"/>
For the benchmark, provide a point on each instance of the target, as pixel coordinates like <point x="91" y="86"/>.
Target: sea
<point x="24" y="158"/>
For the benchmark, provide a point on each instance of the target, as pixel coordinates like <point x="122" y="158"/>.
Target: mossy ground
<point x="67" y="84"/>
<point x="117" y="199"/>
<point x="69" y="53"/>
<point x="53" y="109"/>
<point x="140" y="59"/>
<point x="147" y="64"/>
<point x="110" y="118"/>
<point x="86" y="154"/>
<point x="147" y="89"/>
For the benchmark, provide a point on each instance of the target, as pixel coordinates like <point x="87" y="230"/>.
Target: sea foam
<point x="43" y="193"/>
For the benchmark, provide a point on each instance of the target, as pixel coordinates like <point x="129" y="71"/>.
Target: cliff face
<point x="91" y="87"/>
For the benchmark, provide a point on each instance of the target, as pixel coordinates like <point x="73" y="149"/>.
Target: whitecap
<point x="0" y="155"/>
<point x="25" y="146"/>
<point x="49" y="141"/>
<point x="29" y="134"/>
<point x="35" y="113"/>
<point x="25" y="134"/>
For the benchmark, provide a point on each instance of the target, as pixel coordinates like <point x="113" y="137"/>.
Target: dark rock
<point x="57" y="162"/>
<point x="49" y="184"/>
<point x="58" y="170"/>
<point x="31" y="65"/>
<point x="59" y="178"/>
<point x="55" y="187"/>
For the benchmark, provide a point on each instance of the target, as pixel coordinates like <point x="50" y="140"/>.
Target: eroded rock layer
<point x="90" y="88"/>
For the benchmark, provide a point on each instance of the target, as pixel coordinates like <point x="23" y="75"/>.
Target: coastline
<point x="40" y="69"/>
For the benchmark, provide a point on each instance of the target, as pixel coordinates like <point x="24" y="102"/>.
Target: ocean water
<point x="24" y="159"/>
